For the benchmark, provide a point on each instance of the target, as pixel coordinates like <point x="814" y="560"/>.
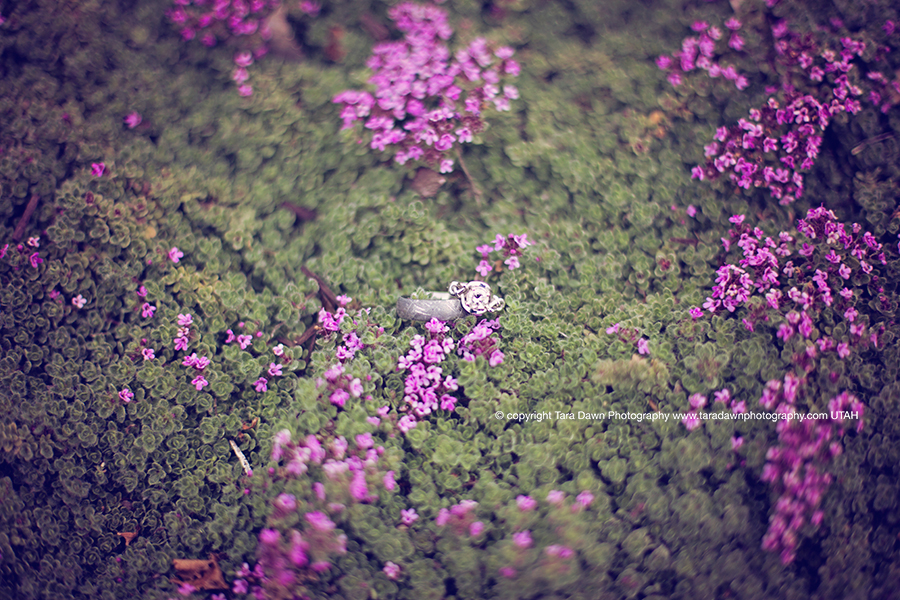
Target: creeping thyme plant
<point x="206" y="390"/>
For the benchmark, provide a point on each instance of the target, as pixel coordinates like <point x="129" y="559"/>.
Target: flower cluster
<point x="289" y="555"/>
<point x="460" y="518"/>
<point x="419" y="89"/>
<point x="780" y="140"/>
<point x="700" y="53"/>
<point x="798" y="280"/>
<point x="630" y="335"/>
<point x="340" y="386"/>
<point x="182" y="337"/>
<point x="218" y="20"/>
<point x="512" y="247"/>
<point x="426" y="387"/>
<point x="796" y="466"/>
<point x="480" y="341"/>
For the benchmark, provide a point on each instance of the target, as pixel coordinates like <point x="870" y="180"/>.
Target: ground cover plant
<point x="206" y="390"/>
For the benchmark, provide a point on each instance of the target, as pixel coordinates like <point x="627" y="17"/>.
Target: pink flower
<point x="389" y="483"/>
<point x="476" y="528"/>
<point x="274" y="369"/>
<point x="690" y="421"/>
<point x="613" y="329"/>
<point x="175" y="254"/>
<point x="696" y="313"/>
<point x="358" y="488"/>
<point x="339" y="397"/>
<point x="79" y="301"/>
<point x="148" y="353"/>
<point x="585" y="498"/>
<point x="199" y="382"/>
<point x="525" y="503"/>
<point x="243" y="59"/>
<point x="736" y="442"/>
<point x="406" y="423"/>
<point x="512" y="262"/>
<point x="319" y="521"/>
<point x="555" y="497"/>
<point x="446" y="164"/>
<point x="484" y="268"/>
<point x="244" y="341"/>
<point x="185" y="320"/>
<point x="642" y="346"/>
<point x="260" y="385"/>
<point x="391" y="570"/>
<point x="126" y="396"/>
<point x="35" y="260"/>
<point x="496" y="358"/>
<point x="522" y="539"/>
<point x="147" y="310"/>
<point x="246" y="90"/>
<point x="181" y="343"/>
<point x="133" y="119"/>
<point x="409" y="516"/>
<point x="97" y="169"/>
<point x="507" y="572"/>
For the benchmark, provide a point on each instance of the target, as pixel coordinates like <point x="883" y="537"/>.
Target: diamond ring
<point x="471" y="298"/>
<point x="476" y="297"/>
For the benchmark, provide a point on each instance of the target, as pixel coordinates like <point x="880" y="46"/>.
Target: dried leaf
<point x="128" y="535"/>
<point x="202" y="574"/>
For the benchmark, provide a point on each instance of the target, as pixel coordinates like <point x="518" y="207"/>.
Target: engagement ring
<point x="471" y="298"/>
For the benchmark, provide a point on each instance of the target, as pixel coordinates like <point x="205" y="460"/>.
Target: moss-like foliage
<point x="115" y="458"/>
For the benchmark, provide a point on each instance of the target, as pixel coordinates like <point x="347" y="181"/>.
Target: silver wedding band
<point x="441" y="306"/>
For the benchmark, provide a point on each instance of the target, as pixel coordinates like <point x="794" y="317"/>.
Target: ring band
<point x="441" y="306"/>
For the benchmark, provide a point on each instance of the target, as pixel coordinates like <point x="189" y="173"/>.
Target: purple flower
<point x="388" y="480"/>
<point x="484" y="268"/>
<point x="585" y="498"/>
<point x="319" y="521"/>
<point x="181" y="343"/>
<point x="496" y="358"/>
<point x="97" y="169"/>
<point x="126" y="396"/>
<point x="147" y="310"/>
<point x="148" y="353"/>
<point x="133" y="119"/>
<point x="246" y="90"/>
<point x="79" y="301"/>
<point x="555" y="497"/>
<point x="185" y="320"/>
<point x="260" y="385"/>
<point x="391" y="570"/>
<point x="274" y="369"/>
<point x="244" y="341"/>
<point x="339" y="397"/>
<point x="522" y="539"/>
<point x="199" y="382"/>
<point x="613" y="329"/>
<point x="690" y="421"/>
<point x="269" y="537"/>
<point x="476" y="528"/>
<point x="35" y="260"/>
<point x="358" y="488"/>
<point x="642" y="346"/>
<point x="409" y="516"/>
<point x="525" y="503"/>
<point x="175" y="254"/>
<point x="239" y="586"/>
<point x="696" y="313"/>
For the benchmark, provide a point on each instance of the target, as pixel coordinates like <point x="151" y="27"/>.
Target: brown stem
<point x="462" y="164"/>
<point x="19" y="233"/>
<point x="303" y="213"/>
<point x="328" y="298"/>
